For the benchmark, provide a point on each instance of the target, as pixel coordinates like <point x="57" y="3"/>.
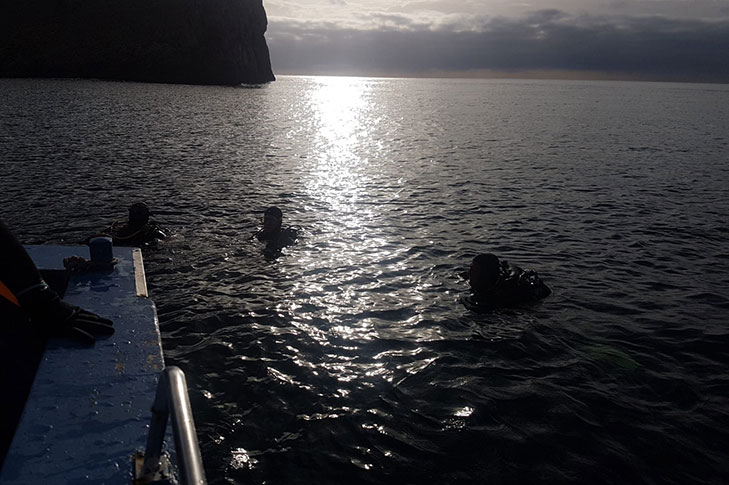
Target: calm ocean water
<point x="351" y="357"/>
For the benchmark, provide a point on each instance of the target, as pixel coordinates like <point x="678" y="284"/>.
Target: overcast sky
<point x="646" y="39"/>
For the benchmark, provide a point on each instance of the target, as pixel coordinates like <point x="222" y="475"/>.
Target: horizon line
<point x="534" y="74"/>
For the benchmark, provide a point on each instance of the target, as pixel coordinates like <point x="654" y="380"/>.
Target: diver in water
<point x="496" y="283"/>
<point x="273" y="234"/>
<point x="138" y="230"/>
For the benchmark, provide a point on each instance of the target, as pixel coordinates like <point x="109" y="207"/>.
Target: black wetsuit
<point x="514" y="287"/>
<point x="122" y="235"/>
<point x="17" y="269"/>
<point x="21" y="346"/>
<point x="275" y="241"/>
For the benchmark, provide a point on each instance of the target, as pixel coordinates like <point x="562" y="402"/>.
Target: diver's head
<point x="272" y="218"/>
<point x="484" y="273"/>
<point x="138" y="214"/>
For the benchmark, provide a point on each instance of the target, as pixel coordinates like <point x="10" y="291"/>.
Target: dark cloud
<point x="647" y="47"/>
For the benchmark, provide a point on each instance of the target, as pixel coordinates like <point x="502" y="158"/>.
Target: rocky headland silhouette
<point x="170" y="41"/>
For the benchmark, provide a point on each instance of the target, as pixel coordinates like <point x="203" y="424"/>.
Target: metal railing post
<point x="172" y="400"/>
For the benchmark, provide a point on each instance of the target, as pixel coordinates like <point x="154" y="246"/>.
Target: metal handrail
<point x="172" y="400"/>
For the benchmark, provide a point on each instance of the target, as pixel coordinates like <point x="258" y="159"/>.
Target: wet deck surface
<point x="89" y="407"/>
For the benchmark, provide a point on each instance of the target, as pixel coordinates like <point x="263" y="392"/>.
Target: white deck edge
<point x="139" y="278"/>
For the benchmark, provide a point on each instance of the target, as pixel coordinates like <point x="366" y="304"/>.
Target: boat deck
<point x="89" y="407"/>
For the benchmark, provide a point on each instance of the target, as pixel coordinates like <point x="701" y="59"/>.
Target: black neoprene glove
<point x="55" y="317"/>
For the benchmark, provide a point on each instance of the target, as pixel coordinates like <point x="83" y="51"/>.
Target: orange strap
<point x="6" y="293"/>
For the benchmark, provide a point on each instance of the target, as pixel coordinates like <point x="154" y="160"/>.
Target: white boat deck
<point x="89" y="407"/>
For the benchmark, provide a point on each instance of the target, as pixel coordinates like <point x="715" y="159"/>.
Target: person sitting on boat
<point x="138" y="230"/>
<point x="272" y="232"/>
<point x="496" y="283"/>
<point x="30" y="312"/>
<point x="24" y="294"/>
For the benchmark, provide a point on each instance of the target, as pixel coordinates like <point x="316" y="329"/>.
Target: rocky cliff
<point x="172" y="41"/>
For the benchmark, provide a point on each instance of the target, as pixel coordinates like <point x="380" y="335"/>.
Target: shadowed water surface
<point x="350" y="358"/>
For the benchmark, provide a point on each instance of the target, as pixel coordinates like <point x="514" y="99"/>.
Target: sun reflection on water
<point x="354" y="280"/>
<point x="342" y="109"/>
<point x="337" y="180"/>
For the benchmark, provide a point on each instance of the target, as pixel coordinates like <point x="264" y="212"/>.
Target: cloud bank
<point x="641" y="47"/>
